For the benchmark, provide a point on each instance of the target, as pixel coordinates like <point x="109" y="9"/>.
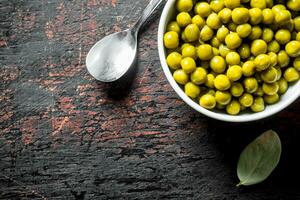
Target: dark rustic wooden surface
<point x="63" y="135"/>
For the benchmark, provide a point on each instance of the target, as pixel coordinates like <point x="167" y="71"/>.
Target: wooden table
<point x="66" y="136"/>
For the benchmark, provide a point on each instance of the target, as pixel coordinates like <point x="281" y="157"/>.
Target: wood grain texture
<point x="63" y="135"/>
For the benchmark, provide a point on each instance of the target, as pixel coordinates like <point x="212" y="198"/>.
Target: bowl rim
<point x="212" y="114"/>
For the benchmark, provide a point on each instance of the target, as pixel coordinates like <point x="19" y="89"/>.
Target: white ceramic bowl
<point x="288" y="98"/>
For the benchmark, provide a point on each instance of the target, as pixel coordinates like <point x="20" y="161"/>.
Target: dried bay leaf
<point x="259" y="159"/>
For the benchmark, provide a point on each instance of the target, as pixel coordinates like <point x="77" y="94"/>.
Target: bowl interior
<point x="289" y="97"/>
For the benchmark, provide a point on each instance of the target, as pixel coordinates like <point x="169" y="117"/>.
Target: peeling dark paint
<point x="64" y="135"/>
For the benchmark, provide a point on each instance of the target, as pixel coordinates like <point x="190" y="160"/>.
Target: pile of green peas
<point x="235" y="55"/>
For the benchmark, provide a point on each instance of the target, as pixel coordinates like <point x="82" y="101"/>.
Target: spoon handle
<point x="147" y="13"/>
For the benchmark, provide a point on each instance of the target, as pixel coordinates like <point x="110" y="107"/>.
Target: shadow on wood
<point x="121" y="88"/>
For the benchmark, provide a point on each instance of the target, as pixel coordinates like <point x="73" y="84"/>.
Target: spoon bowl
<point x="110" y="58"/>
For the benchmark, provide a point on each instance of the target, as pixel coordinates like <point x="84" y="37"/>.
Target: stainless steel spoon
<point x="110" y="58"/>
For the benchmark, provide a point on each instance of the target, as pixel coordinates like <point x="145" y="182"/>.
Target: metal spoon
<point x="110" y="58"/>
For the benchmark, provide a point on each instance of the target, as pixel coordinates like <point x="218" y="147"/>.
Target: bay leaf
<point x="259" y="159"/>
